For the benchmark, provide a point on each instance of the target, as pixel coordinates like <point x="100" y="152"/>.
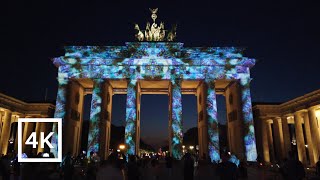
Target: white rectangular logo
<point x="39" y="139"/>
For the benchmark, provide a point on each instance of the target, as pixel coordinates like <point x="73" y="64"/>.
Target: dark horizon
<point x="284" y="38"/>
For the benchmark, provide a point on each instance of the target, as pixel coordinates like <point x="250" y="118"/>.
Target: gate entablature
<point x="153" y="60"/>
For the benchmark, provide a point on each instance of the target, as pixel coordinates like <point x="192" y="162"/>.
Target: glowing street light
<point x="191" y="147"/>
<point x="122" y="146"/>
<point x="183" y="146"/>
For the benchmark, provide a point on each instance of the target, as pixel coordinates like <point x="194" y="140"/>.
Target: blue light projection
<point x="249" y="137"/>
<point x="160" y="61"/>
<point x="176" y="116"/>
<point x="60" y="110"/>
<point x="131" y="117"/>
<point x="212" y="118"/>
<point x="94" y="133"/>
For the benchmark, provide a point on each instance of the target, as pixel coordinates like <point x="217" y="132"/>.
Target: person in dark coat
<point x="293" y="169"/>
<point x="133" y="169"/>
<point x="227" y="170"/>
<point x="188" y="167"/>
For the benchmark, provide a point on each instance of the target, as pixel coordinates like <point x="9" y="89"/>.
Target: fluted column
<point x="248" y="132"/>
<point x="309" y="142"/>
<point x="5" y="132"/>
<point x="95" y="129"/>
<point x="131" y="117"/>
<point x="27" y="130"/>
<point x="60" y="110"/>
<point x="270" y="142"/>
<point x="266" y="151"/>
<point x="278" y="137"/>
<point x="314" y="132"/>
<point x="299" y="136"/>
<point x="176" y="117"/>
<point x="286" y="136"/>
<point x="212" y="120"/>
<point x="43" y="128"/>
<point x="202" y="120"/>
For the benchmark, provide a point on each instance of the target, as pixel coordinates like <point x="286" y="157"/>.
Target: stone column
<point x="60" y="110"/>
<point x="270" y="142"/>
<point x="202" y="120"/>
<point x="300" y="138"/>
<point x="1" y="119"/>
<point x="5" y="132"/>
<point x="309" y="142"/>
<point x="27" y="130"/>
<point x="95" y="129"/>
<point x="265" y="145"/>
<point x="278" y="137"/>
<point x="170" y="133"/>
<point x="138" y="119"/>
<point x="131" y="117"/>
<point x="107" y="113"/>
<point x="42" y="128"/>
<point x="286" y="136"/>
<point x="176" y="116"/>
<point x="314" y="132"/>
<point x="248" y="133"/>
<point x="212" y="120"/>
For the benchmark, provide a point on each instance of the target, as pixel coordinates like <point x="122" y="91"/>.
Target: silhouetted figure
<point x="243" y="173"/>
<point x="169" y="161"/>
<point x="155" y="168"/>
<point x="110" y="170"/>
<point x="188" y="167"/>
<point x="227" y="170"/>
<point x="318" y="167"/>
<point x="5" y="167"/>
<point x="67" y="167"/>
<point x="133" y="170"/>
<point x="91" y="172"/>
<point x="293" y="169"/>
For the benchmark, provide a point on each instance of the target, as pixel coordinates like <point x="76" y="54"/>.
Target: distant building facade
<point x="290" y="126"/>
<point x="10" y="110"/>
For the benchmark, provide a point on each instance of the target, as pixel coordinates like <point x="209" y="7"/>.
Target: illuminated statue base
<point x="156" y="68"/>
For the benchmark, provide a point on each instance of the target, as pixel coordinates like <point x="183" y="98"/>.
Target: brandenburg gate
<point x="155" y="65"/>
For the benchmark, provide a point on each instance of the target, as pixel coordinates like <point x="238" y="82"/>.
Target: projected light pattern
<point x="213" y="129"/>
<point x="249" y="137"/>
<point x="162" y="61"/>
<point x="95" y="120"/>
<point x="60" y="111"/>
<point x="177" y="138"/>
<point x="131" y="117"/>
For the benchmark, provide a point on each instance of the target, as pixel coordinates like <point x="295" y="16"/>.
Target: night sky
<point x="283" y="37"/>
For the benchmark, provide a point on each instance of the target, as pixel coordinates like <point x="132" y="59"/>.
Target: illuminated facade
<point x="155" y="68"/>
<point x="290" y="126"/>
<point x="10" y="110"/>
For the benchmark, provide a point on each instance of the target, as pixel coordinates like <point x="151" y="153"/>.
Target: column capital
<point x="313" y="107"/>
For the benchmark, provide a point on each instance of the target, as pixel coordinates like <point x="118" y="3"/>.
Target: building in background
<point x="290" y="126"/>
<point x="10" y="110"/>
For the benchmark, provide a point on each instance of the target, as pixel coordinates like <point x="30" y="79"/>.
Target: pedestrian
<point x="169" y="161"/>
<point x="109" y="169"/>
<point x="188" y="167"/>
<point x="155" y="169"/>
<point x="293" y="169"/>
<point x="133" y="170"/>
<point x="226" y="170"/>
<point x="91" y="172"/>
<point x="318" y="167"/>
<point x="5" y="167"/>
<point x="67" y="167"/>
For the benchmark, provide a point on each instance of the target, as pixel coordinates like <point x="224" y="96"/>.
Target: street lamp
<point x="191" y="147"/>
<point x="122" y="146"/>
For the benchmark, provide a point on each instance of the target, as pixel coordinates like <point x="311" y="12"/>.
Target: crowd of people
<point x="118" y="166"/>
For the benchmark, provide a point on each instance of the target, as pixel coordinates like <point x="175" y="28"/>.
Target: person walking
<point x="133" y="169"/>
<point x="227" y="170"/>
<point x="293" y="169"/>
<point x="169" y="161"/>
<point x="188" y="167"/>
